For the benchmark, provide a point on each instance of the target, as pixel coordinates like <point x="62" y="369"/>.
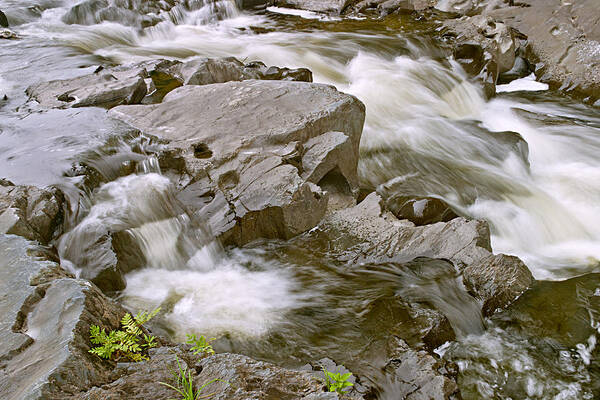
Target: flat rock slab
<point x="242" y="146"/>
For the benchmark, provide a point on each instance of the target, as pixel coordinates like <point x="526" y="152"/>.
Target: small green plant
<point x="183" y="383"/>
<point x="201" y="344"/>
<point x="337" y="382"/>
<point x="125" y="343"/>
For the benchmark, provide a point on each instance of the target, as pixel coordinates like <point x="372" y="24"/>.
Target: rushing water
<point x="527" y="162"/>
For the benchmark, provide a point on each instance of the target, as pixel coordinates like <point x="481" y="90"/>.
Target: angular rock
<point x="101" y="89"/>
<point x="45" y="328"/>
<point x="31" y="212"/>
<point x="562" y="311"/>
<point x="245" y="158"/>
<point x="251" y="379"/>
<point x="367" y="233"/>
<point x="484" y="46"/>
<point x="16" y="293"/>
<point x="403" y="6"/>
<point x="420" y="210"/>
<point x="497" y="280"/>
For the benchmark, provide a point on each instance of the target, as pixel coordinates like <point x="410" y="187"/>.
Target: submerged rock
<point x="30" y="212"/>
<point x="257" y="164"/>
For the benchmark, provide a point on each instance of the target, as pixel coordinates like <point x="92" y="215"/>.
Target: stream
<point x="526" y="161"/>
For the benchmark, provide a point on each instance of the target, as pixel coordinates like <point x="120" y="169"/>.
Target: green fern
<point x="124" y="343"/>
<point x="201" y="344"/>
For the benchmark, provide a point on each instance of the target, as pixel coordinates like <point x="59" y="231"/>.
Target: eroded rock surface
<point x="563" y="42"/>
<point x="559" y="40"/>
<point x="245" y="162"/>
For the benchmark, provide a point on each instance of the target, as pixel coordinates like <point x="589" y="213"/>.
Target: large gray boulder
<point x="30" y="212"/>
<point x="367" y="233"/>
<point x="252" y="155"/>
<point x="44" y="327"/>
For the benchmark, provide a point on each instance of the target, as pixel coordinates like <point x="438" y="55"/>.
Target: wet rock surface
<point x="30" y="212"/>
<point x="45" y="327"/>
<point x="367" y="232"/>
<point x="418" y="375"/>
<point x="252" y="178"/>
<point x="3" y="20"/>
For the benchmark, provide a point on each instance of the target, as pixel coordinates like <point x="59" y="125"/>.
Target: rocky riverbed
<point x="399" y="189"/>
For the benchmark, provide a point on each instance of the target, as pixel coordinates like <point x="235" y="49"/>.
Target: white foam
<point x="227" y="300"/>
<point x="302" y="13"/>
<point x="528" y="84"/>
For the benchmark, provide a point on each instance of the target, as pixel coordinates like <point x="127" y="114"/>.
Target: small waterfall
<point x="143" y="14"/>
